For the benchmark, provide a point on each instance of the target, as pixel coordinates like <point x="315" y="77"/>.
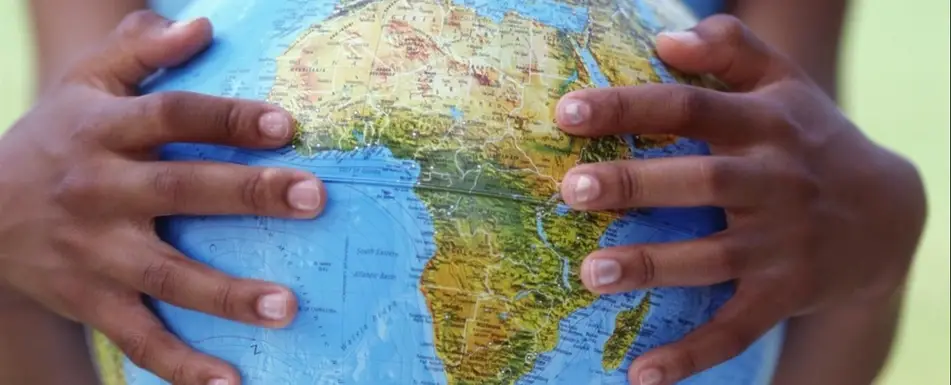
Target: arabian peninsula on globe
<point x="444" y="256"/>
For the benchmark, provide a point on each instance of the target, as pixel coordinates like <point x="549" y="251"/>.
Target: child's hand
<point x="818" y="215"/>
<point x="80" y="185"/>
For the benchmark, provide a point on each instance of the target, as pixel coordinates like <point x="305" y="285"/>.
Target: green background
<point x="895" y="85"/>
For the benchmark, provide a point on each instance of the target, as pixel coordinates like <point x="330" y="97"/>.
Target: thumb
<point x="143" y="43"/>
<point x="724" y="47"/>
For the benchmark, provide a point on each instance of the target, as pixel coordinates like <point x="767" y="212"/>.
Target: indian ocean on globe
<point x="444" y="255"/>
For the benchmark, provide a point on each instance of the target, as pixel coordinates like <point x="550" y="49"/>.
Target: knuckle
<point x="159" y="108"/>
<point x="154" y="110"/>
<point x="159" y="279"/>
<point x="255" y="191"/>
<point x="689" y="361"/>
<point x="231" y="121"/>
<point x="79" y="186"/>
<point x="74" y="187"/>
<point x="135" y="23"/>
<point x="67" y="296"/>
<point x="76" y="74"/>
<point x="89" y="127"/>
<point x="630" y="183"/>
<point x="793" y="183"/>
<point x="716" y="176"/>
<point x="66" y="238"/>
<point x="689" y="106"/>
<point x="223" y="301"/>
<point x="728" y="258"/>
<point x="776" y="120"/>
<point x="170" y="186"/>
<point x="758" y="188"/>
<point x="179" y="372"/>
<point x="644" y="258"/>
<point x="733" y="341"/>
<point x="727" y="29"/>
<point x="804" y="187"/>
<point x="620" y="110"/>
<point x="137" y="346"/>
<point x="82" y="247"/>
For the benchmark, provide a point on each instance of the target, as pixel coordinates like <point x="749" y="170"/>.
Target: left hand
<point x="818" y="215"/>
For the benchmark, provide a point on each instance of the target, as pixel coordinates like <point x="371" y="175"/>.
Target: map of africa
<point x="444" y="255"/>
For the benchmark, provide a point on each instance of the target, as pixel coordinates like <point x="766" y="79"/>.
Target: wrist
<point x="885" y="196"/>
<point x="846" y="345"/>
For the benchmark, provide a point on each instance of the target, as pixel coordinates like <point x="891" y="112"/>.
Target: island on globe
<point x="444" y="256"/>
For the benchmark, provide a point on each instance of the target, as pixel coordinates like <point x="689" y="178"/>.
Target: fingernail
<point x="604" y="272"/>
<point x="304" y="196"/>
<point x="274" y="125"/>
<point x="583" y="188"/>
<point x="178" y="26"/>
<point x="218" y="381"/>
<point x="651" y="377"/>
<point x="273" y="306"/>
<point x="683" y="37"/>
<point x="574" y="112"/>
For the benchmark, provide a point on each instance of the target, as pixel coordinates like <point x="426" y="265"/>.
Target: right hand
<point x="81" y="184"/>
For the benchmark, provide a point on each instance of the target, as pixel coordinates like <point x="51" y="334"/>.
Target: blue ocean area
<point x="362" y="319"/>
<point x="356" y="270"/>
<point x="557" y="14"/>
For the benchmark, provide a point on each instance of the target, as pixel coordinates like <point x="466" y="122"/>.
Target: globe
<point x="445" y="255"/>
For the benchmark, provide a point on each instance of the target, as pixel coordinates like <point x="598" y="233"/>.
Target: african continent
<point x="445" y="254"/>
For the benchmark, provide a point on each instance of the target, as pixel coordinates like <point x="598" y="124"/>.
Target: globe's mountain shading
<point x="444" y="256"/>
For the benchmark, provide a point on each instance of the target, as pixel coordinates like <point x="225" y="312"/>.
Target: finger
<point x="650" y="109"/>
<point x="168" y="117"/>
<point x="143" y="43"/>
<point x="723" y="46"/>
<point x="207" y="188"/>
<point x="157" y="270"/>
<point x="736" y="326"/>
<point x="146" y="342"/>
<point x="688" y="181"/>
<point x="705" y="261"/>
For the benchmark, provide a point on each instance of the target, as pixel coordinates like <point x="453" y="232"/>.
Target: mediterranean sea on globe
<point x="444" y="255"/>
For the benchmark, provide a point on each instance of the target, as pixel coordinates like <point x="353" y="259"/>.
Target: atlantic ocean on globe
<point x="445" y="256"/>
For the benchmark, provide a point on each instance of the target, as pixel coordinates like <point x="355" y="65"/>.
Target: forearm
<point x="843" y="346"/>
<point x="39" y="348"/>
<point x="808" y="31"/>
<point x="64" y="29"/>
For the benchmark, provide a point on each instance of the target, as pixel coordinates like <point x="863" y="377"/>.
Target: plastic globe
<point x="445" y="255"/>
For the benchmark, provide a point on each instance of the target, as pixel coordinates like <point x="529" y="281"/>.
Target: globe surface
<point x="444" y="255"/>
